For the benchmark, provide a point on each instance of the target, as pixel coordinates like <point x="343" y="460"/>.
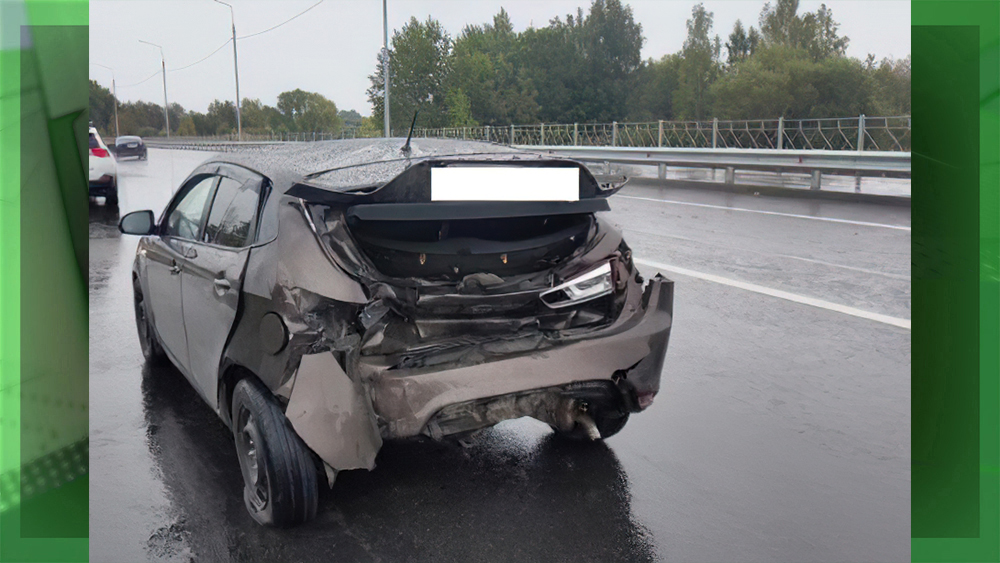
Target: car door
<point x="182" y="225"/>
<point x="213" y="275"/>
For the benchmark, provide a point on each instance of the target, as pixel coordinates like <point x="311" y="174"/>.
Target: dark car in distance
<point x="130" y="146"/>
<point x="323" y="298"/>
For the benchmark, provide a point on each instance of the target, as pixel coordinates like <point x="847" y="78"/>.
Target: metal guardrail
<point x="202" y="143"/>
<point x="885" y="164"/>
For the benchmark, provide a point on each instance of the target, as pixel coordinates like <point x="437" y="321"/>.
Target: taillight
<point x="99" y="152"/>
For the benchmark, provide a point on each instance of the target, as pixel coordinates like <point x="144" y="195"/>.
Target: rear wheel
<point x="280" y="483"/>
<point x="112" y="197"/>
<point x="150" y="345"/>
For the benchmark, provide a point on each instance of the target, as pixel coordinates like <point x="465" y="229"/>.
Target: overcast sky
<point x="332" y="48"/>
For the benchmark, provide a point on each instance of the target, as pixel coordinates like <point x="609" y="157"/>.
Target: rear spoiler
<point x="408" y="195"/>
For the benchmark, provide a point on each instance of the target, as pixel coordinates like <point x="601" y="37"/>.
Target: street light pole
<point x="114" y="94"/>
<point x="236" y="69"/>
<point x="385" y="65"/>
<point x="163" y="61"/>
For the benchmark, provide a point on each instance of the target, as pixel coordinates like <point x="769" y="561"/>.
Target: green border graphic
<point x="956" y="326"/>
<point x="43" y="295"/>
<point x="956" y="270"/>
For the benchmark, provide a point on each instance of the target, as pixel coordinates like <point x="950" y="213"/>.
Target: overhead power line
<point x="282" y="23"/>
<point x="141" y="81"/>
<point x="228" y="41"/>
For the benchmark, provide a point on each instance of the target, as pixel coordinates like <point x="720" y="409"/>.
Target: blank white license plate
<point x="504" y="183"/>
<point x="132" y="145"/>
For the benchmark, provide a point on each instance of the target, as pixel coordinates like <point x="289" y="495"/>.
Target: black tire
<point x="112" y="197"/>
<point x="148" y="341"/>
<point x="608" y="424"/>
<point x="280" y="484"/>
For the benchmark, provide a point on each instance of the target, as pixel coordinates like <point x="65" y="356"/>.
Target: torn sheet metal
<point x="333" y="415"/>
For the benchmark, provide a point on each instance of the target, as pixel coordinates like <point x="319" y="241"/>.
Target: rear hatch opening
<point x="451" y="250"/>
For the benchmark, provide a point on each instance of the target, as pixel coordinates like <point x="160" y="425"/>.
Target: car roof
<point x="125" y="137"/>
<point x="354" y="163"/>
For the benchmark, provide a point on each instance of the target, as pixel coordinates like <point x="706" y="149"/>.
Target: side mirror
<point x="137" y="223"/>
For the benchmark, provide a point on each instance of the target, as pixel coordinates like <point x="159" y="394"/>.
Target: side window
<point x="186" y="217"/>
<point x="234" y="213"/>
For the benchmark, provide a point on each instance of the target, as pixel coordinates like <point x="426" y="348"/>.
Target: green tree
<point x="252" y="116"/>
<point x="418" y="66"/>
<point x="484" y="69"/>
<point x="221" y="117"/>
<point x="741" y="44"/>
<point x="699" y="66"/>
<point x="552" y="59"/>
<point x="309" y="112"/>
<point x="815" y="33"/>
<point x="350" y="117"/>
<point x="102" y="109"/>
<point x="785" y="81"/>
<point x="612" y="45"/>
<point x="656" y="89"/>
<point x="459" y="109"/>
<point x="187" y="127"/>
<point x="889" y="84"/>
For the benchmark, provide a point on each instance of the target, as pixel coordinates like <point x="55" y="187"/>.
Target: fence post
<point x="576" y="134"/>
<point x="511" y="134"/>
<point x="659" y="138"/>
<point x="541" y="137"/>
<point x="614" y="133"/>
<point x="816" y="179"/>
<point x="781" y="132"/>
<point x="861" y="132"/>
<point x="715" y="131"/>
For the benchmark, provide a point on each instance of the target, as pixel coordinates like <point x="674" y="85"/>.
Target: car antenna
<point x="406" y="147"/>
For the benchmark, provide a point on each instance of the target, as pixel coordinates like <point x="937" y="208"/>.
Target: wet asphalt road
<point x="781" y="432"/>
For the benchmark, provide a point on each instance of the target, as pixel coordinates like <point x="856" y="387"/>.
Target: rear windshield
<point x="93" y="141"/>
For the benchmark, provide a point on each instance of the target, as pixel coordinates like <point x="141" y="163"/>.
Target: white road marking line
<point x="852" y="268"/>
<point x="894" y="321"/>
<point x="793" y="215"/>
<point x="789" y="256"/>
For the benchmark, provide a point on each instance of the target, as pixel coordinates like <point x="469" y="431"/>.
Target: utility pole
<point x="236" y="69"/>
<point x="114" y="94"/>
<point x="385" y="65"/>
<point x="166" y="106"/>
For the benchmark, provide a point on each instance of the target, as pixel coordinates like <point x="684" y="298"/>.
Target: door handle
<point x="222" y="284"/>
<point x="175" y="268"/>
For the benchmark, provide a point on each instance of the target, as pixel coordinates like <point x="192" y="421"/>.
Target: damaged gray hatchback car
<point x="323" y="298"/>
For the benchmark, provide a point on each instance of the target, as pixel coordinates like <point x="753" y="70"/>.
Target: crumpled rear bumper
<point x="632" y="349"/>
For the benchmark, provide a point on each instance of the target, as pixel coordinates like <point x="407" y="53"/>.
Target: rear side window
<point x="93" y="141"/>
<point x="234" y="213"/>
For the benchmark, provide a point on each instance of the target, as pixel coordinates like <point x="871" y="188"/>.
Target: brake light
<point x="99" y="152"/>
